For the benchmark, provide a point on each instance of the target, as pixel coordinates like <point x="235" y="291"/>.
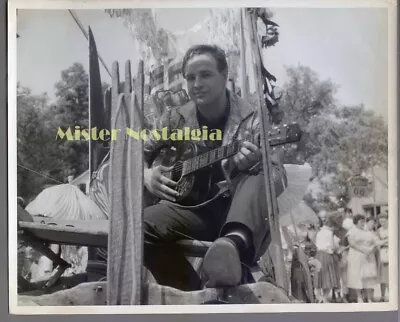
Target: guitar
<point x="188" y="160"/>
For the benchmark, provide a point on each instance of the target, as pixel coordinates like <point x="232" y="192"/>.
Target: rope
<point x="40" y="174"/>
<point x="87" y="38"/>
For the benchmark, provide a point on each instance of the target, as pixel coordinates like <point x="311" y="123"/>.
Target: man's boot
<point x="221" y="265"/>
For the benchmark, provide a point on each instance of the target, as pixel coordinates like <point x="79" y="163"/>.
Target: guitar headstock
<point x="286" y="133"/>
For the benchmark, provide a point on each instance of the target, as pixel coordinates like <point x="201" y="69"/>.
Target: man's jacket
<point x="243" y="122"/>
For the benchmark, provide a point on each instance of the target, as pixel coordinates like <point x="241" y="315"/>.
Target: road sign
<point x="358" y="191"/>
<point x="359" y="187"/>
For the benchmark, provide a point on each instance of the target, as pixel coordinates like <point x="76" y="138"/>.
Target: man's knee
<point x="279" y="179"/>
<point x="154" y="227"/>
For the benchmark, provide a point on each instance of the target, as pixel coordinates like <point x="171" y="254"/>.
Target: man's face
<point x="205" y="82"/>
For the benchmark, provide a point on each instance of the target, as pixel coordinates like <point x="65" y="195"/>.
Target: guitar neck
<point x="278" y="136"/>
<point x="210" y="157"/>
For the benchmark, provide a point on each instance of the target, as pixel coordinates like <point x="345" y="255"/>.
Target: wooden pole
<point x="243" y="83"/>
<point x="272" y="205"/>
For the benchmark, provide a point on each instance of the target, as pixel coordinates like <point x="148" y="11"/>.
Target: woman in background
<point x="347" y="224"/>
<point x="360" y="269"/>
<point x="326" y="242"/>
<point x="348" y="219"/>
<point x="370" y="269"/>
<point x="383" y="235"/>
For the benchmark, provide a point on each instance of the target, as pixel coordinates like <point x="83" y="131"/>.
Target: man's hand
<point x="248" y="155"/>
<point x="158" y="184"/>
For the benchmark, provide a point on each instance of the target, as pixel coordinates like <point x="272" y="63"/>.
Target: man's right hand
<point x="158" y="184"/>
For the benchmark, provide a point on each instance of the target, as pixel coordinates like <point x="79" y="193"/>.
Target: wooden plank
<point x="94" y="294"/>
<point x="139" y="85"/>
<point x="276" y="243"/>
<point x="243" y="76"/>
<point x="118" y="259"/>
<point x="128" y="78"/>
<point x="127" y="89"/>
<point x="126" y="186"/>
<point x="90" y="233"/>
<point x="107" y="108"/>
<point x="114" y="88"/>
<point x="64" y="282"/>
<point x="136" y="189"/>
<point x="84" y="294"/>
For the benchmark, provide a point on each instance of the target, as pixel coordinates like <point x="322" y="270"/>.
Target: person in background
<point x="347" y="224"/>
<point x="303" y="250"/>
<point x="322" y="218"/>
<point x="327" y="243"/>
<point x="312" y="232"/>
<point x="383" y="235"/>
<point x="362" y="244"/>
<point x="371" y="267"/>
<point x="348" y="219"/>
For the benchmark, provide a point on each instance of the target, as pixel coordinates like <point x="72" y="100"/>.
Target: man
<point x="237" y="224"/>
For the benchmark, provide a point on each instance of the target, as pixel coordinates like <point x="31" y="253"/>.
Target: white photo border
<point x="13" y="5"/>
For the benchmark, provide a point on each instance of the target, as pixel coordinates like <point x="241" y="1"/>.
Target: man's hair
<point x="216" y="52"/>
<point x="348" y="210"/>
<point x="357" y="218"/>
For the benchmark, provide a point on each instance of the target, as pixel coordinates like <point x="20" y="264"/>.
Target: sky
<point x="347" y="45"/>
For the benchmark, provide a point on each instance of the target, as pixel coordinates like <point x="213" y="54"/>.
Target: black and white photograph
<point x="202" y="157"/>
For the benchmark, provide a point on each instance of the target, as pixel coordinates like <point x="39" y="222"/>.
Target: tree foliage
<point x="338" y="141"/>
<point x="36" y="147"/>
<point x="72" y="109"/>
<point x="305" y="95"/>
<point x="37" y="125"/>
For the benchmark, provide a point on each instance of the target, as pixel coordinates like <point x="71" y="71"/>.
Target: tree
<point x="338" y="142"/>
<point x="36" y="147"/>
<point x="37" y="125"/>
<point x="72" y="109"/>
<point x="352" y="141"/>
<point x="305" y="95"/>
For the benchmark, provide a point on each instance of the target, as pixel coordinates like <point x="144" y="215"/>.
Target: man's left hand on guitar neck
<point x="248" y="156"/>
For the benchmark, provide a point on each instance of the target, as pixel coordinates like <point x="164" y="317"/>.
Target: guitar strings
<point x="180" y="167"/>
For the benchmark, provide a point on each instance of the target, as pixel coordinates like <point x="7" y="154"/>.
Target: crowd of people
<point x="348" y="259"/>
